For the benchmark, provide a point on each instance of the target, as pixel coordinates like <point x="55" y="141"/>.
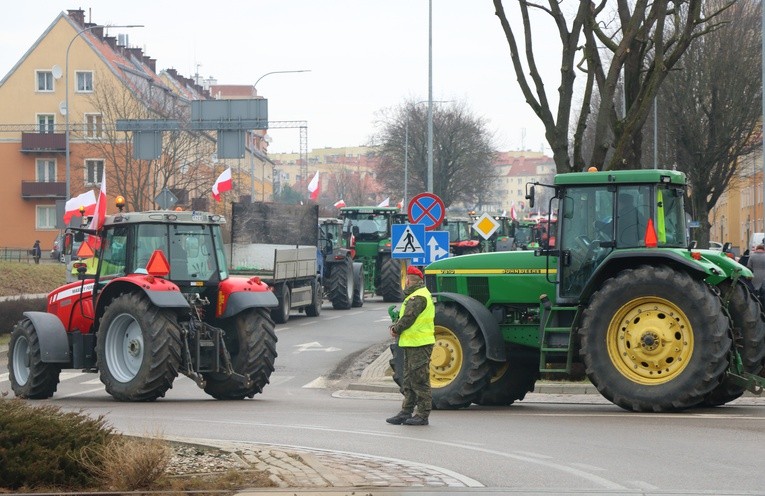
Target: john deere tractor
<point x="368" y="230"/>
<point x="657" y="324"/>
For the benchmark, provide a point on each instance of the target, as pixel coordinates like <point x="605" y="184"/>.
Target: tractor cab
<point x="600" y="217"/>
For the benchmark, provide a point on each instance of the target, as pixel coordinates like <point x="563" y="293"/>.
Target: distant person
<point x="36" y="251"/>
<point x="416" y="336"/>
<point x="756" y="262"/>
<point x="744" y="258"/>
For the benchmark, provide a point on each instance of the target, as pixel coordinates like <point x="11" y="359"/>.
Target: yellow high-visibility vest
<point x="422" y="331"/>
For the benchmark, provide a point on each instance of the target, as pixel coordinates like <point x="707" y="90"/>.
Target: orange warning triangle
<point x="650" y="235"/>
<point x="158" y="265"/>
<point x="85" y="251"/>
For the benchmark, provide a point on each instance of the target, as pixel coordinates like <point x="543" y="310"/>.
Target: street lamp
<point x="252" y="151"/>
<point x="406" y="151"/>
<point x="66" y="94"/>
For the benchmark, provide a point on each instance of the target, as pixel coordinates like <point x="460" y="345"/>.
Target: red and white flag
<point x="513" y="215"/>
<point x="385" y="203"/>
<point x="223" y="183"/>
<point x="340" y="203"/>
<point x="400" y="204"/>
<point x="313" y="186"/>
<point x="86" y="200"/>
<point x="99" y="215"/>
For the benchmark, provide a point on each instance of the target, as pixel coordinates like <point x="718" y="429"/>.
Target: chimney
<point x="150" y="63"/>
<point x="111" y="41"/>
<point x="77" y="16"/>
<point x="99" y="32"/>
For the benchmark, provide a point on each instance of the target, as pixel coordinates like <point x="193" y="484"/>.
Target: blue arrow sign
<point x="436" y="245"/>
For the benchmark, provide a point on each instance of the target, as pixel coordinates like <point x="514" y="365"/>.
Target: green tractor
<point x="368" y="230"/>
<point x="342" y="279"/>
<point x="657" y="324"/>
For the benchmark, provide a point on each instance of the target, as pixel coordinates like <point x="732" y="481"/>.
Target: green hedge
<point x="12" y="311"/>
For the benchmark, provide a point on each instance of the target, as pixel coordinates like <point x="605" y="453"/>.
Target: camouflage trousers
<point x="416" y="383"/>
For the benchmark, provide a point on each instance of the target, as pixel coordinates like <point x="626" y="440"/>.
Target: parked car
<point x="715" y="245"/>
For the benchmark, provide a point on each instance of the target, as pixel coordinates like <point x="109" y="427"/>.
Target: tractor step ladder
<point x="555" y="342"/>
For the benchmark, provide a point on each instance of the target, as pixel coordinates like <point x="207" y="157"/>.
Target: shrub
<point x="126" y="464"/>
<point x="40" y="446"/>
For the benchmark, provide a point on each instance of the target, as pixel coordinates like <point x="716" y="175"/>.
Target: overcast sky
<point x="364" y="56"/>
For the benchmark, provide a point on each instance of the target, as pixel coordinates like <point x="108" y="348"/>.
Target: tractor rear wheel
<point x="392" y="280"/>
<point x="341" y="285"/>
<point x="138" y="348"/>
<point x="748" y="337"/>
<point x="358" y="285"/>
<point x="30" y="377"/>
<point x="251" y="342"/>
<point x="511" y="380"/>
<point x="654" y="339"/>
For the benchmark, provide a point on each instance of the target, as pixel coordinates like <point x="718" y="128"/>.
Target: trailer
<point x="277" y="244"/>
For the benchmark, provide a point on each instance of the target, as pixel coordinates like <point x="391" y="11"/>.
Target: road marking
<point x="644" y="485"/>
<point x="314" y="346"/>
<point x="80" y="393"/>
<point x="319" y="383"/>
<point x="4" y="377"/>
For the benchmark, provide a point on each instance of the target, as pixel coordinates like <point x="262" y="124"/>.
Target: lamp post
<point x="406" y="150"/>
<point x="66" y="94"/>
<point x="430" y="96"/>
<point x="252" y="151"/>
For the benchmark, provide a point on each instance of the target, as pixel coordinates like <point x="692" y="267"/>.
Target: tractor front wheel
<point x="30" y="377"/>
<point x="392" y="280"/>
<point x="748" y="337"/>
<point x="341" y="285"/>
<point x="251" y="343"/>
<point x="139" y="349"/>
<point x="654" y="339"/>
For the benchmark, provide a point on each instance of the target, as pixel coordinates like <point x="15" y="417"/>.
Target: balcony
<point x="34" y="189"/>
<point x="43" y="142"/>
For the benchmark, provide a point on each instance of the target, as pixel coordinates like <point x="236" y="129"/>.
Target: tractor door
<point x="586" y="236"/>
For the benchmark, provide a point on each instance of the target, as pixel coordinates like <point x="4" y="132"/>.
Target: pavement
<point x="300" y="471"/>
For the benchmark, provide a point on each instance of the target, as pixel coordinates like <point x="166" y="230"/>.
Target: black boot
<point x="399" y="418"/>
<point x="416" y="420"/>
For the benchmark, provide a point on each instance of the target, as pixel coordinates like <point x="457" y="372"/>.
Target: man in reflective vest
<point x="416" y="336"/>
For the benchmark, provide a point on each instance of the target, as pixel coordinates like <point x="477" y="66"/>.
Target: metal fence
<point x="21" y="255"/>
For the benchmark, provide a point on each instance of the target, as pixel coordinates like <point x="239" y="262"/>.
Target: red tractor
<point x="160" y="303"/>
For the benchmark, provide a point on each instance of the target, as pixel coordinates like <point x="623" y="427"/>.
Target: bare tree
<point x="185" y="160"/>
<point x="462" y="152"/>
<point x="641" y="42"/>
<point x="711" y="107"/>
<point x="353" y="187"/>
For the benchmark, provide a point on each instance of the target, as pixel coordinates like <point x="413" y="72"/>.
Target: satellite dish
<point x="57" y="72"/>
<point x="62" y="107"/>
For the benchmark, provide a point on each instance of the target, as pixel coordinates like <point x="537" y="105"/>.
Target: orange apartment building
<point x="33" y="131"/>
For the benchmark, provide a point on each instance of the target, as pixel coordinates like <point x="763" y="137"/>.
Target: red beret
<point x="414" y="271"/>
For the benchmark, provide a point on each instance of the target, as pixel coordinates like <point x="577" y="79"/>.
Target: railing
<point x="43" y="142"/>
<point x="40" y="189"/>
<point x="17" y="255"/>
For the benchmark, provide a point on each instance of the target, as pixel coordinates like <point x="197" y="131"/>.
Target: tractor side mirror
<point x="530" y="196"/>
<point x="568" y="208"/>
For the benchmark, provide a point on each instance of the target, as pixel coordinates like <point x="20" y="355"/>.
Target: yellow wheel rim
<point x="650" y="340"/>
<point x="499" y="372"/>
<point x="446" y="359"/>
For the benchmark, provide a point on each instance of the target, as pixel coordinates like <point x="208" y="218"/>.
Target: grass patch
<point x="18" y="278"/>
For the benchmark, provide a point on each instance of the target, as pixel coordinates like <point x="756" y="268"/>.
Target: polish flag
<point x="385" y="203"/>
<point x="513" y="215"/>
<point x="86" y="200"/>
<point x="313" y="186"/>
<point x="99" y="215"/>
<point x="400" y="204"/>
<point x="223" y="183"/>
<point x="339" y="203"/>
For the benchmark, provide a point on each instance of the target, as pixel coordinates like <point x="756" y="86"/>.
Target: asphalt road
<point x="544" y="444"/>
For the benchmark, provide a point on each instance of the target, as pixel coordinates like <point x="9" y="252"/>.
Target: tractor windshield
<point x="458" y="230"/>
<point x="368" y="227"/>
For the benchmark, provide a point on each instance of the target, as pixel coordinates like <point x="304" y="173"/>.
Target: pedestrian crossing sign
<point x="408" y="241"/>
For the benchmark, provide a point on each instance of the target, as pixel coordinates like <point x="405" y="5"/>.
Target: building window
<point x="94" y="125"/>
<point x="46" y="217"/>
<point x="44" y="81"/>
<point x="84" y="82"/>
<point x="45" y="170"/>
<point x="45" y="123"/>
<point x="94" y="171"/>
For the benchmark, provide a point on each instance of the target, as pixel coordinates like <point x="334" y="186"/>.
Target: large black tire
<point x="459" y="369"/>
<point x="654" y="339"/>
<point x="511" y="380"/>
<point x="314" y="309"/>
<point x="138" y="348"/>
<point x="30" y="377"/>
<point x="251" y="342"/>
<point x="281" y="314"/>
<point x="748" y="337"/>
<point x="358" y="285"/>
<point x="392" y="280"/>
<point x="341" y="285"/>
